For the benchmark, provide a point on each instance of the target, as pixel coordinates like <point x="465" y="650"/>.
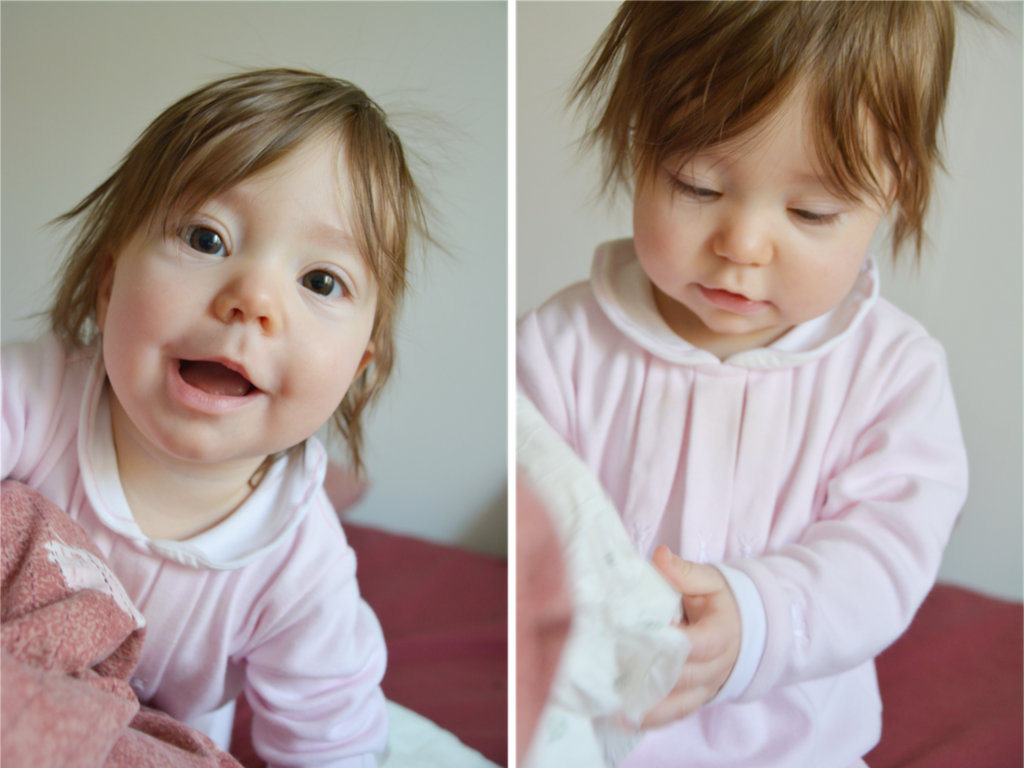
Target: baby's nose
<point x="252" y="296"/>
<point x="743" y="237"/>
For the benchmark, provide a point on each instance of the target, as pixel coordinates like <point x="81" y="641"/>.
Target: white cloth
<point x="624" y="653"/>
<point x="416" y="742"/>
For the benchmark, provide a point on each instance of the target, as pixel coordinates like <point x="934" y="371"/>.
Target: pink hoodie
<point x="823" y="473"/>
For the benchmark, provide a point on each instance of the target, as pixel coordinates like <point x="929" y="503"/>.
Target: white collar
<point x="624" y="293"/>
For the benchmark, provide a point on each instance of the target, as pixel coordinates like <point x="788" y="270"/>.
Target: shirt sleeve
<point x="40" y="415"/>
<point x="847" y="588"/>
<point x="539" y="379"/>
<point x="313" y="674"/>
<point x="753" y="627"/>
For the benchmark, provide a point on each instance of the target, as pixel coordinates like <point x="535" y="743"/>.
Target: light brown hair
<point x="667" y="80"/>
<point x="220" y="135"/>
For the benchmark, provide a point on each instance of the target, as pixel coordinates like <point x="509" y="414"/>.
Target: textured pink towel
<point x="70" y="641"/>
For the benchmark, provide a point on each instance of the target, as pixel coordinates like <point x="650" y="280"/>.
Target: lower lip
<point x="732" y="302"/>
<point x="199" y="400"/>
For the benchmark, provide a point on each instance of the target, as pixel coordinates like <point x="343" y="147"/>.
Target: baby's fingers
<point x="708" y="639"/>
<point x="686" y="577"/>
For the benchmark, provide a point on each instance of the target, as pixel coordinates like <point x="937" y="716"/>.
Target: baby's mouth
<point x="214" y="378"/>
<point x="732" y="302"/>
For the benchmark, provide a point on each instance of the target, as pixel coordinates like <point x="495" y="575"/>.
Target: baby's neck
<point x="175" y="499"/>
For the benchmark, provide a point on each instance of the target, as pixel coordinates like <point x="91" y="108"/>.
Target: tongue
<point x="214" y="378"/>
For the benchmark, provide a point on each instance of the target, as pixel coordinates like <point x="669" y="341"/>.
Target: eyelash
<point x="810" y="217"/>
<point x="697" y="193"/>
<point x="188" y="232"/>
<point x="703" y="194"/>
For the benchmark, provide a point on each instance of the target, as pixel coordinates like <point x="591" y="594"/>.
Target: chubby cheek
<point x="129" y="317"/>
<point x="134" y="314"/>
<point x="655" y="237"/>
<point x="820" y="288"/>
<point x="652" y="222"/>
<point x="137" y="296"/>
<point x="317" y="383"/>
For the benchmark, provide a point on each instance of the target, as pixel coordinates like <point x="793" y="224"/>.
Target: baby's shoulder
<point x="890" y="351"/>
<point x="573" y="301"/>
<point x="892" y="331"/>
<point x="573" y="316"/>
<point x="45" y="356"/>
<point x="310" y="561"/>
<point x="44" y="382"/>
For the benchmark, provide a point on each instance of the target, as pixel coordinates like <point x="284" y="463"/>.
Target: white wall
<point x="80" y="82"/>
<point x="968" y="292"/>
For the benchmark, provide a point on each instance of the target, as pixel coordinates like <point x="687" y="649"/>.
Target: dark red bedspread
<point x="952" y="686"/>
<point x="445" y="618"/>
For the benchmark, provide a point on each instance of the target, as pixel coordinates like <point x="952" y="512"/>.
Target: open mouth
<point x="215" y="378"/>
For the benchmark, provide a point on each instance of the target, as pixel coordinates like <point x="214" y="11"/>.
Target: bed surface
<point x="445" y="618"/>
<point x="952" y="686"/>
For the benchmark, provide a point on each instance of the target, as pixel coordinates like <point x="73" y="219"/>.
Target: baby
<point x="731" y="375"/>
<point x="233" y="286"/>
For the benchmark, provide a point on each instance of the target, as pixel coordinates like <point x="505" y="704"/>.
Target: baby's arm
<point x="313" y="671"/>
<point x="40" y="418"/>
<point x="850" y="584"/>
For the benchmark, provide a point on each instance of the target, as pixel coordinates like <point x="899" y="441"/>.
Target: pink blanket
<point x="70" y="641"/>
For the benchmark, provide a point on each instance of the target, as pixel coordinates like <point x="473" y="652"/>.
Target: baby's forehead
<point x="313" y="174"/>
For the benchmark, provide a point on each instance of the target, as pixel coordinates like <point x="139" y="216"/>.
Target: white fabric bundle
<point x="624" y="652"/>
<point x="416" y="742"/>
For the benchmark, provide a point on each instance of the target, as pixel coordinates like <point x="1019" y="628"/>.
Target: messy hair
<point x="220" y="135"/>
<point x="667" y="80"/>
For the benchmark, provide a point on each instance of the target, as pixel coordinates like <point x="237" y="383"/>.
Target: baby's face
<point x="744" y="241"/>
<point x="237" y="334"/>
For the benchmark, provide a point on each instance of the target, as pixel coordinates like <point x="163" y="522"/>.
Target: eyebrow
<point x="809" y="177"/>
<point x="334" y="237"/>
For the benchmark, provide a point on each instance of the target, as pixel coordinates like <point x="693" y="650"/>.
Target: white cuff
<point x="753" y="634"/>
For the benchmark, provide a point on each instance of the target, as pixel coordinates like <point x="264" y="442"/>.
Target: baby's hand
<point x="712" y="622"/>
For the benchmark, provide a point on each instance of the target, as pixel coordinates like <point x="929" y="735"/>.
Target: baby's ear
<point x="367" y="357"/>
<point x="106" y="287"/>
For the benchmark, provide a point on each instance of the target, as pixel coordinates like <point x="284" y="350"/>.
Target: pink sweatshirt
<point x="823" y="474"/>
<point x="265" y="602"/>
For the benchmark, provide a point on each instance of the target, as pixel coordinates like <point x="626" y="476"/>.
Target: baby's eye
<point x="322" y="282"/>
<point x="693" y="191"/>
<point x="814" y="218"/>
<point x="205" y="240"/>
